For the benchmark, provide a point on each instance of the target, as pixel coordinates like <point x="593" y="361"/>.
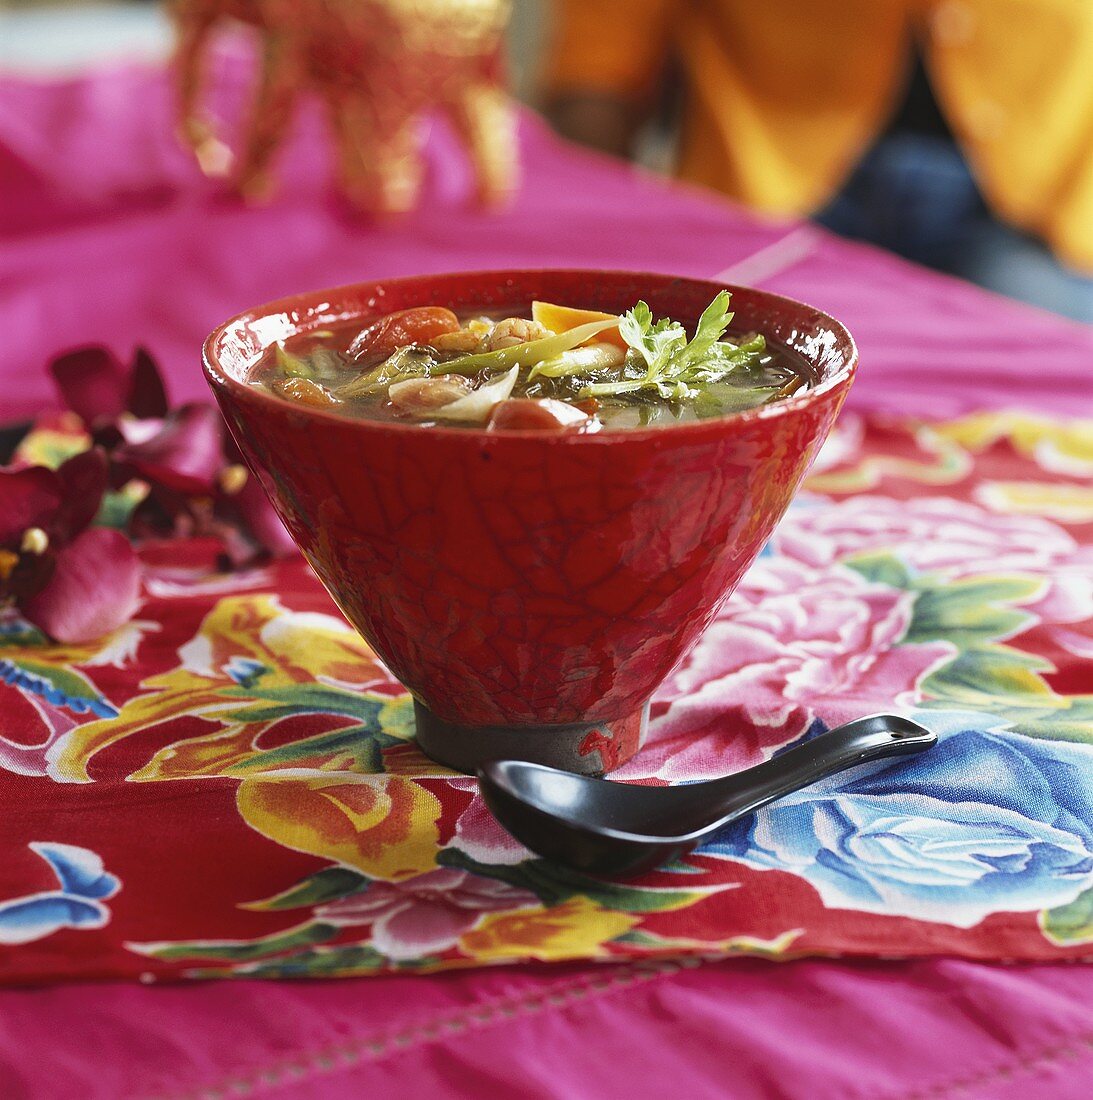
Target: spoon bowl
<point x="621" y="829"/>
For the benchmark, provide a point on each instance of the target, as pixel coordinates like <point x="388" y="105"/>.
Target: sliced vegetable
<point x="290" y="364"/>
<point x="406" y="326"/>
<point x="587" y="359"/>
<point x="476" y="406"/>
<point x="670" y="391"/>
<point x="325" y="362"/>
<point x="563" y="318"/>
<point x="524" y="355"/>
<point x="408" y="362"/>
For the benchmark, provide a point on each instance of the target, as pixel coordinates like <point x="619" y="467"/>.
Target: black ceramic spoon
<point x="621" y="829"/>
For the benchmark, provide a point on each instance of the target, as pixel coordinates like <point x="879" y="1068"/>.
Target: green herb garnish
<point x="663" y="361"/>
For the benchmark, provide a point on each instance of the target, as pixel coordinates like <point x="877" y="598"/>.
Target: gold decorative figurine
<point x="379" y="66"/>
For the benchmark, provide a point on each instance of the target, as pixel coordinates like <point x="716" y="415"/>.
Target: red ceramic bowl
<point x="530" y="589"/>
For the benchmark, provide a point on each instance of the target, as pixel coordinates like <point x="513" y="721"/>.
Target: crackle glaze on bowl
<point x="530" y="589"/>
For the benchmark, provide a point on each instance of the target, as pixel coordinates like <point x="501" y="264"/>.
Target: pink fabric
<point x="108" y="235"/>
<point x="112" y="238"/>
<point x="746" y="1030"/>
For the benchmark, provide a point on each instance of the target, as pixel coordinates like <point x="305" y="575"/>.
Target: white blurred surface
<point x="54" y="40"/>
<point x="57" y="38"/>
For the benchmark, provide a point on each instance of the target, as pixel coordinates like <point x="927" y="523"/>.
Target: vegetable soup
<point x="560" y="369"/>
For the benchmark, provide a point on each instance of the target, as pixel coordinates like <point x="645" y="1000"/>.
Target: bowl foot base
<point x="588" y="748"/>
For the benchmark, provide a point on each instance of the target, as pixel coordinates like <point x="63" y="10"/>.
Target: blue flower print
<point x="78" y="903"/>
<point x="986" y="822"/>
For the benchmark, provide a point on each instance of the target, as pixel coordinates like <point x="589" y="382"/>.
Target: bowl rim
<point x="220" y="379"/>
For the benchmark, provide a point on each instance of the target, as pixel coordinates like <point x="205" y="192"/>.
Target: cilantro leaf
<point x="656" y="343"/>
<point x="661" y="358"/>
<point x="715" y="319"/>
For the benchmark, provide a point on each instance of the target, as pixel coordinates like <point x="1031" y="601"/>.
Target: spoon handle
<point x="874" y="738"/>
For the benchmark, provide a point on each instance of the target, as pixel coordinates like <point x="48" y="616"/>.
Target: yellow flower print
<point x="384" y="826"/>
<point x="116" y="649"/>
<point x="577" y="929"/>
<point x="1062" y="446"/>
<point x="290" y="647"/>
<point x="239" y="749"/>
<point x="1052" y="499"/>
<point x="247" y="649"/>
<point x="926" y="457"/>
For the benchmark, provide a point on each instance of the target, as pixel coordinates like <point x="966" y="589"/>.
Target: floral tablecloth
<point x="133" y="248"/>
<point x="229" y="786"/>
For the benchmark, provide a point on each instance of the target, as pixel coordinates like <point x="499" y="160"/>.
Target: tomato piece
<point x="541" y="414"/>
<point x="407" y="326"/>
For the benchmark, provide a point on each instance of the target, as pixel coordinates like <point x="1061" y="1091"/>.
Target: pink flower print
<point x="929" y="534"/>
<point x="792" y="644"/>
<point x="425" y="914"/>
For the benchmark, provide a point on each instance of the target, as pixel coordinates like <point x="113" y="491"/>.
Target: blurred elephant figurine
<point x="378" y="66"/>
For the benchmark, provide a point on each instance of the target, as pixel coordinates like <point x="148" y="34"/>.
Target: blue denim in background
<point x="913" y="194"/>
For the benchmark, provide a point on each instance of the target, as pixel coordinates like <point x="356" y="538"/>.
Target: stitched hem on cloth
<point x="336" y="1057"/>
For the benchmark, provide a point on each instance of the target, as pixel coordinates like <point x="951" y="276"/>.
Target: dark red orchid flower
<point x="182" y="453"/>
<point x="197" y="484"/>
<point x="72" y="581"/>
<point x="99" y="388"/>
<point x="125" y="408"/>
<point x="195" y="488"/>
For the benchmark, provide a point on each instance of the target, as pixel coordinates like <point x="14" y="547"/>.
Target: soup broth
<point x="561" y="369"/>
